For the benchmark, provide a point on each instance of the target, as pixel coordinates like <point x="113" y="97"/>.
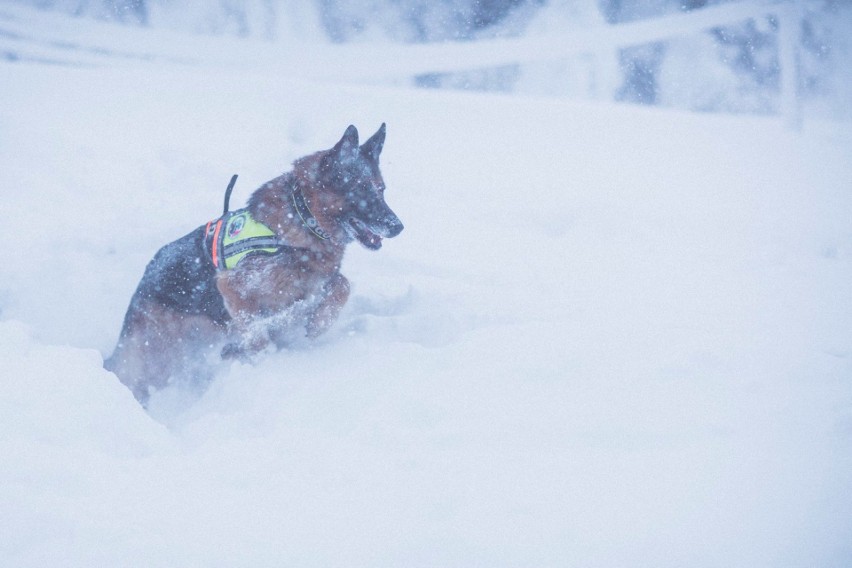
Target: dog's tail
<point x="228" y="194"/>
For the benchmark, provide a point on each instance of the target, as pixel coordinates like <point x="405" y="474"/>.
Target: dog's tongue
<point x="370" y="240"/>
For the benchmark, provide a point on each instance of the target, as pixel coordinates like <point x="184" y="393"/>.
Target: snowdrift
<point x="608" y="336"/>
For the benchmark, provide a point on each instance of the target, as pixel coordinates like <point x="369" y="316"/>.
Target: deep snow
<point x="608" y="336"/>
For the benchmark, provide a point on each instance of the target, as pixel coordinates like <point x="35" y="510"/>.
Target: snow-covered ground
<point x="608" y="336"/>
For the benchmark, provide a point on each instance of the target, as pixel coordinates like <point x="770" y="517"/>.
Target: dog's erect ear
<point x="373" y="146"/>
<point x="346" y="149"/>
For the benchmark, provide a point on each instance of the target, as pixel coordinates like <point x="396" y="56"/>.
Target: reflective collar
<point x="306" y="216"/>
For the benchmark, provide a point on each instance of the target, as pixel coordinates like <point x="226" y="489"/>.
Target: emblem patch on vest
<point x="236" y="225"/>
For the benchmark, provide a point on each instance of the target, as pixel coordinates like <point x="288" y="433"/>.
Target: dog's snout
<point x="395" y="227"/>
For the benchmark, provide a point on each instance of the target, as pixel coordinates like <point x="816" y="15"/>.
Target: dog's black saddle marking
<point x="182" y="278"/>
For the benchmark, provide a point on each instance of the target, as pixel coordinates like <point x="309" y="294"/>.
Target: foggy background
<point x="730" y="68"/>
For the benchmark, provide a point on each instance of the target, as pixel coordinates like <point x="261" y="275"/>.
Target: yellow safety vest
<point x="236" y="235"/>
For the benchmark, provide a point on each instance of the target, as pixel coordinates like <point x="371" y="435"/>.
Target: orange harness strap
<point x="214" y="253"/>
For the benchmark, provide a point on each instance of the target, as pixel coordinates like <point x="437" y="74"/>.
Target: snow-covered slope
<point x="607" y="337"/>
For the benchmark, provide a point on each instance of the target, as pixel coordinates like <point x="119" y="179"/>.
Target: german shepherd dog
<point x="196" y="304"/>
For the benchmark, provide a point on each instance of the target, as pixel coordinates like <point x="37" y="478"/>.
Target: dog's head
<point x="350" y="173"/>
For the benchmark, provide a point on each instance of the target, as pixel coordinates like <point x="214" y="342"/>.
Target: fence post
<point x="789" y="26"/>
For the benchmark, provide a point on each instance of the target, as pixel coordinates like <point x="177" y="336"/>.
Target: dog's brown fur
<point x="185" y="314"/>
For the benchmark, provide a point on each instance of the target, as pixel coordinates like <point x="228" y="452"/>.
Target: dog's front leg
<point x="248" y="334"/>
<point x="334" y="295"/>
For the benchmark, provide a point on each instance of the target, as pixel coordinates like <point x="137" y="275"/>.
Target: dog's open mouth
<point x="359" y="231"/>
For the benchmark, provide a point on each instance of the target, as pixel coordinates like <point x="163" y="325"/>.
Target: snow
<point x="608" y="336"/>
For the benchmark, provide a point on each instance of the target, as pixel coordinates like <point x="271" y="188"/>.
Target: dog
<point x="263" y="276"/>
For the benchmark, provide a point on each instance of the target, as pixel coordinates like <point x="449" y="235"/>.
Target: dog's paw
<point x="234" y="351"/>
